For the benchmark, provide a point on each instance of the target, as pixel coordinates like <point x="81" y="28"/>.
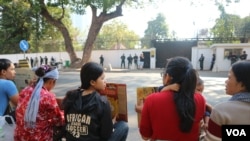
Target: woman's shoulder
<point x="160" y="95"/>
<point x="199" y="99"/>
<point x="6" y="82"/>
<point x="230" y="108"/>
<point x="8" y="85"/>
<point x="100" y="97"/>
<point x="231" y="105"/>
<point x="46" y="92"/>
<point x="228" y="113"/>
<point x="152" y="95"/>
<point x="47" y="95"/>
<point x="27" y="89"/>
<point x="199" y="96"/>
<point x="72" y="94"/>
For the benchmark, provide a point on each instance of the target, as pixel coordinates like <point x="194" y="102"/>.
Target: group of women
<point x="171" y="114"/>
<point x="176" y="115"/>
<point x="85" y="115"/>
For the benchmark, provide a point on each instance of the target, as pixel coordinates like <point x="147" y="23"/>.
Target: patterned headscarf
<point x="33" y="105"/>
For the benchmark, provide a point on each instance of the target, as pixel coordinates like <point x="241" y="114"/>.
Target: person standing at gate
<point x="212" y="62"/>
<point x="243" y="56"/>
<point x="141" y="61"/>
<point x="233" y="58"/>
<point x="136" y="61"/>
<point x="41" y="60"/>
<point x="31" y="62"/>
<point x="46" y="60"/>
<point x="36" y="62"/>
<point x="130" y="59"/>
<point x="123" y="61"/>
<point x="201" y="60"/>
<point x="101" y="60"/>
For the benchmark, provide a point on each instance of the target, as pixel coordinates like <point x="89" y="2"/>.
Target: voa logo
<point x="236" y="132"/>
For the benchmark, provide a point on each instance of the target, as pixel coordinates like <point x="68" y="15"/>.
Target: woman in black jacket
<point x="87" y="113"/>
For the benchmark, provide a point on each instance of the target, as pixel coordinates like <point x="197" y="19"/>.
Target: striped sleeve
<point x="214" y="126"/>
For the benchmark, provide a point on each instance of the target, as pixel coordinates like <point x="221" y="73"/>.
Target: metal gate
<point x="169" y="49"/>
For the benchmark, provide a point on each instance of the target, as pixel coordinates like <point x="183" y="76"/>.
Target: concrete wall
<point x="113" y="56"/>
<point x="196" y="53"/>
<point x="110" y="56"/>
<point x="221" y="63"/>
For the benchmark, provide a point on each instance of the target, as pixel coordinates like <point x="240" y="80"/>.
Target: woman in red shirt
<point x="37" y="111"/>
<point x="174" y="115"/>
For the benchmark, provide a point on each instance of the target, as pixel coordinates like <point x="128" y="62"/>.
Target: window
<point x="228" y="52"/>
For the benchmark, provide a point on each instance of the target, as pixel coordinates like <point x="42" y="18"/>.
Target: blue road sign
<point x="24" y="45"/>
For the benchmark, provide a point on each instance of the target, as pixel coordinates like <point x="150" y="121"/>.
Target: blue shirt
<point x="7" y="90"/>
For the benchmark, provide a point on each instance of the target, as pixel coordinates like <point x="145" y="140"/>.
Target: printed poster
<point x="142" y="93"/>
<point x="117" y="96"/>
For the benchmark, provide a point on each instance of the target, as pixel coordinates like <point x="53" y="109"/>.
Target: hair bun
<point x="42" y="70"/>
<point x="46" y="68"/>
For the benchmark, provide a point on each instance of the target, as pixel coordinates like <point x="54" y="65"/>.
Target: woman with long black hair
<point x="174" y="115"/>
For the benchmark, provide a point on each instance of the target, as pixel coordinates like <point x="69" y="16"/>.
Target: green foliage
<point x="225" y="26"/>
<point x="244" y="28"/>
<point x="157" y="29"/>
<point x="230" y="26"/>
<point x="115" y="33"/>
<point x="78" y="6"/>
<point x="14" y="26"/>
<point x="20" y="21"/>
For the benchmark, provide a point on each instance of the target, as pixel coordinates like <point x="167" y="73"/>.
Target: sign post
<point x="24" y="45"/>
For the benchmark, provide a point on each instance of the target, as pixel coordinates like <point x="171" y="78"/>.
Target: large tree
<point x="56" y="20"/>
<point x="18" y="21"/>
<point x="116" y="33"/>
<point x="102" y="11"/>
<point x="225" y="25"/>
<point x="157" y="29"/>
<point x="229" y="26"/>
<point x="13" y="26"/>
<point x="243" y="30"/>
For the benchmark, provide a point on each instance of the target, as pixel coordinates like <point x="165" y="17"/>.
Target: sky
<point x="180" y="16"/>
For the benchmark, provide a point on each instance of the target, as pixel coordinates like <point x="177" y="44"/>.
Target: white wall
<point x="196" y="53"/>
<point x="224" y="64"/>
<point x="110" y="56"/>
<point x="113" y="56"/>
<point x="221" y="63"/>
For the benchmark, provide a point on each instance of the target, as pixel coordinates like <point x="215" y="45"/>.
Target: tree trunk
<point x="92" y="35"/>
<point x="95" y="27"/>
<point x="63" y="29"/>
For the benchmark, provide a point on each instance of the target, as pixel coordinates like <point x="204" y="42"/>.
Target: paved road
<point x="214" y="88"/>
